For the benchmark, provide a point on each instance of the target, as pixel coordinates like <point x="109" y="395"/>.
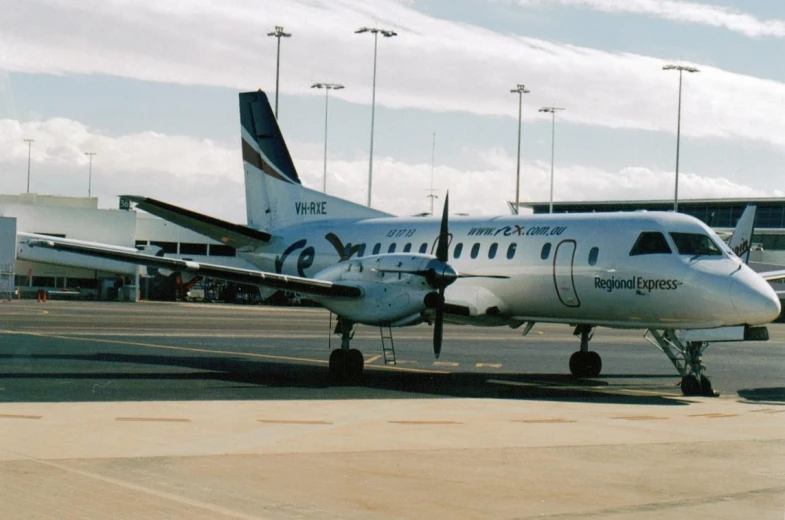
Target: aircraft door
<point x="562" y="273"/>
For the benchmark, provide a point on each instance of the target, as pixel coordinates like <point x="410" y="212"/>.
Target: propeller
<point x="443" y="279"/>
<point x="439" y="274"/>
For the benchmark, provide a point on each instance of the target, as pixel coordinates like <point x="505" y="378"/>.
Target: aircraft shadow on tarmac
<point x="772" y="395"/>
<point x="234" y="378"/>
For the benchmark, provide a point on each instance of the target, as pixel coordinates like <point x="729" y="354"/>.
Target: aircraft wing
<point x="260" y="278"/>
<point x="230" y="234"/>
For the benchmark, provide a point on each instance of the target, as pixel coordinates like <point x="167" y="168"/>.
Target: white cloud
<point x="682" y="11"/>
<point x="433" y="64"/>
<point x="207" y="176"/>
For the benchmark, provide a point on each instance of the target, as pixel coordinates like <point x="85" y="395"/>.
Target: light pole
<point x="90" y="175"/>
<point x="387" y="34"/>
<point x="552" y="111"/>
<point x="327" y="88"/>
<point x="278" y="33"/>
<point x="520" y="90"/>
<point x="432" y="195"/>
<point x="29" y="146"/>
<point x="681" y="69"/>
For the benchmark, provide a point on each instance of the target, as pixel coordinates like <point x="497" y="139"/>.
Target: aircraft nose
<point x="754" y="299"/>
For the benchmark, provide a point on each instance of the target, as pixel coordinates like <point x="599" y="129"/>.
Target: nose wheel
<point x="693" y="385"/>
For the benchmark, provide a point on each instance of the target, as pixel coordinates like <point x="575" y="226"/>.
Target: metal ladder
<point x="388" y="347"/>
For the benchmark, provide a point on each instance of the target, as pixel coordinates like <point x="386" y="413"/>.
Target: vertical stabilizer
<point x="274" y="195"/>
<point x="741" y="239"/>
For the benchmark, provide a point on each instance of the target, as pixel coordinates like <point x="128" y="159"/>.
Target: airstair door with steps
<point x="388" y="347"/>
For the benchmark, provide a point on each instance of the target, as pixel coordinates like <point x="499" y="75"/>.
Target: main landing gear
<point x="346" y="364"/>
<point x="687" y="357"/>
<point x="585" y="362"/>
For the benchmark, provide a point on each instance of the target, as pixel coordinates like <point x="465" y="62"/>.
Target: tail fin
<point x="274" y="195"/>
<point x="741" y="239"/>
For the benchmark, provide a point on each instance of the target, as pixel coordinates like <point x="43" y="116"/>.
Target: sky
<point x="151" y="88"/>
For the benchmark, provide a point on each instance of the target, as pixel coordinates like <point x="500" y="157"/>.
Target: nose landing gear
<point x="687" y="357"/>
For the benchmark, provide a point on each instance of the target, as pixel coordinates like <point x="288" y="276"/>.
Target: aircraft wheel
<point x="594" y="364"/>
<point x="354" y="364"/>
<point x="585" y="364"/>
<point x="706" y="388"/>
<point x="338" y="362"/>
<point x="690" y="385"/>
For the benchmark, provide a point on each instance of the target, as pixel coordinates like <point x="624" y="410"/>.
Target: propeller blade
<point x="442" y="244"/>
<point x="438" y="326"/>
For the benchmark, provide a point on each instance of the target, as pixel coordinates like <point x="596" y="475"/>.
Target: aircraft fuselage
<point x="566" y="267"/>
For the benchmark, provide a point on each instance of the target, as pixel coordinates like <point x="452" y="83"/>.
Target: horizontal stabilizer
<point x="234" y="235"/>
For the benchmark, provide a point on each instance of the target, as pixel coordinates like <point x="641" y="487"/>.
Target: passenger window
<point x="650" y="243"/>
<point x="492" y="250"/>
<point x="361" y="250"/>
<point x="457" y="252"/>
<point x="593" y="254"/>
<point x="511" y="251"/>
<point x="695" y="244"/>
<point x="546" y="251"/>
<point x="423" y="248"/>
<point x="475" y="250"/>
<point x="391" y="249"/>
<point x="407" y="247"/>
<point x="376" y="248"/>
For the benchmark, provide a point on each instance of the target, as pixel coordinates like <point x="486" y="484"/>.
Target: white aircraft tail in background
<point x="741" y="239"/>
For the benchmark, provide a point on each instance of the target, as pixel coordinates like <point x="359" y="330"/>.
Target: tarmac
<point x="415" y="441"/>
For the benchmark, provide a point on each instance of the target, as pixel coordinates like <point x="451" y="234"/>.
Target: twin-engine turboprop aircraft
<point x="664" y="272"/>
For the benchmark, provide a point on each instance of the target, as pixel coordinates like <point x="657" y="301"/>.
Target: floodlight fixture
<point x="682" y="69"/>
<point x="327" y="88"/>
<point x="552" y="111"/>
<point x="387" y="34"/>
<point x="278" y="33"/>
<point x="520" y="90"/>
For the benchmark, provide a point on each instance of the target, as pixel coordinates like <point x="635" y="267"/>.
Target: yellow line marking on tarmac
<point x="445" y="364"/>
<point x="543" y="421"/>
<point x="152" y="419"/>
<point x="488" y="365"/>
<point x="718" y="415"/>
<point x="210" y="351"/>
<point x="424" y="423"/>
<point x="18" y="416"/>
<point x="639" y="417"/>
<point x="283" y="421"/>
<point x="372" y="358"/>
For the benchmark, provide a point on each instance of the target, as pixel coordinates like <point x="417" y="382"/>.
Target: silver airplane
<point x="666" y="273"/>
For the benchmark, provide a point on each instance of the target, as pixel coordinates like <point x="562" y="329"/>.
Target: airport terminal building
<point x="80" y="218"/>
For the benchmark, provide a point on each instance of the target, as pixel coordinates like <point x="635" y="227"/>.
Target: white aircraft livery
<point x="666" y="273"/>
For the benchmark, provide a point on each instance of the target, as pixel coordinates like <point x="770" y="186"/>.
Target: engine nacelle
<point x="391" y="292"/>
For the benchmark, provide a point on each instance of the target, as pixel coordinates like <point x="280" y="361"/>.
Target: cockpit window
<point x="650" y="243"/>
<point x="695" y="244"/>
